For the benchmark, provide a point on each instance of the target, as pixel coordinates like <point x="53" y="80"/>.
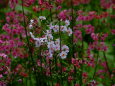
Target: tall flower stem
<point x="96" y="64"/>
<point x="40" y="57"/>
<point x="50" y="61"/>
<point x="72" y="25"/>
<point x="108" y="69"/>
<point x="55" y="58"/>
<point x="50" y="64"/>
<point x="28" y="43"/>
<point x="60" y="52"/>
<point x="107" y="64"/>
<point x="81" y="56"/>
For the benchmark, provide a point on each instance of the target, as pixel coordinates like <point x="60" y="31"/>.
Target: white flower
<point x="32" y="35"/>
<point x="31" y="21"/>
<point x="42" y="18"/>
<point x="51" y="45"/>
<point x="57" y="42"/>
<point x="48" y="31"/>
<point x="43" y="40"/>
<point x="38" y="43"/>
<point x="65" y="48"/>
<point x="56" y="28"/>
<point x="50" y="55"/>
<point x="57" y="47"/>
<point x="30" y="26"/>
<point x="49" y="36"/>
<point x="63" y="55"/>
<point x="67" y="22"/>
<point x="51" y="26"/>
<point x="69" y="31"/>
<point x="63" y="28"/>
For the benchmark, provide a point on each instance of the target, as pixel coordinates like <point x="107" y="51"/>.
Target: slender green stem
<point x="60" y="52"/>
<point x="28" y="43"/>
<point x="56" y="59"/>
<point x="96" y="65"/>
<point x="72" y="25"/>
<point x="109" y="71"/>
<point x="81" y="56"/>
<point x="50" y="63"/>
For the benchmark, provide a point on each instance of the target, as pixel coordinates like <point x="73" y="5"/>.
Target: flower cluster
<point x="5" y="63"/>
<point x="48" y="39"/>
<point x="63" y="28"/>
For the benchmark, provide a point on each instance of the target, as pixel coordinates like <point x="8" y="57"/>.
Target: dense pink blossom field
<point x="57" y="42"/>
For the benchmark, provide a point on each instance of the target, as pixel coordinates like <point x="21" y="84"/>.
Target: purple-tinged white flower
<point x="63" y="55"/>
<point x="50" y="26"/>
<point x="63" y="28"/>
<point x="31" y="21"/>
<point x="50" y="55"/>
<point x="49" y="37"/>
<point x="57" y="47"/>
<point x="43" y="40"/>
<point x="37" y="42"/>
<point x="51" y="46"/>
<point x="57" y="42"/>
<point x="67" y="22"/>
<point x="65" y="48"/>
<point x="69" y="31"/>
<point x="48" y="32"/>
<point x="56" y="28"/>
<point x="42" y="18"/>
<point x="30" y="26"/>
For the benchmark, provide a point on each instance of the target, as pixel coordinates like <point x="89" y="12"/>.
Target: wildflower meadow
<point x="57" y="42"/>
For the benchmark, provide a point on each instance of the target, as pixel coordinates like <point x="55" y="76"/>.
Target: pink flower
<point x="80" y="18"/>
<point x="113" y="31"/>
<point x="59" y="7"/>
<point x="70" y="78"/>
<point x="63" y="14"/>
<point x="59" y="1"/>
<point x="40" y="2"/>
<point x="104" y="36"/>
<point x="89" y="30"/>
<point x="84" y="75"/>
<point x="13" y="3"/>
<point x="94" y="36"/>
<point x="1" y="75"/>
<point x="78" y="34"/>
